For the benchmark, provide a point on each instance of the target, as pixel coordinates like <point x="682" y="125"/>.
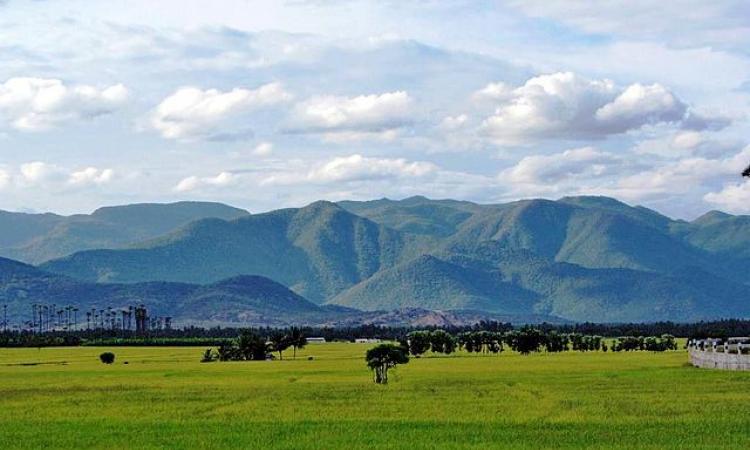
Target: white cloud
<point x="567" y="106"/>
<point x="355" y="168"/>
<point x="193" y="183"/>
<point x="354" y="118"/>
<point x="586" y="162"/>
<point x="34" y="104"/>
<point x="5" y="179"/>
<point x="734" y="198"/>
<point x="91" y="176"/>
<point x="191" y="113"/>
<point x="38" y="172"/>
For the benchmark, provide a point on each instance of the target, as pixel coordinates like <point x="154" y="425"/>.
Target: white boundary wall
<point x="719" y="360"/>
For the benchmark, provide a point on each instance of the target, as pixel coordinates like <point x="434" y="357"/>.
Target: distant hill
<point x="245" y="300"/>
<point x="578" y="258"/>
<point x="35" y="238"/>
<point x="240" y="300"/>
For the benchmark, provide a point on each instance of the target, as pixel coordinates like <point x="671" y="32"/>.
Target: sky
<point x="271" y="104"/>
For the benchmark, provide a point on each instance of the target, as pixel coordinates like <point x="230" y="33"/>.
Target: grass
<point x="165" y="398"/>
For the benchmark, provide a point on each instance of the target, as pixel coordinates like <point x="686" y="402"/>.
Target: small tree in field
<point x="297" y="339"/>
<point x="419" y="342"/>
<point x="383" y="357"/>
<point x="279" y="343"/>
<point x="107" y="357"/>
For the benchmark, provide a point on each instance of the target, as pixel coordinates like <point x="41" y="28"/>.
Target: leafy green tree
<point x="419" y="342"/>
<point x="279" y="342"/>
<point x="526" y="340"/>
<point x="442" y="342"/>
<point x="251" y="347"/>
<point x="555" y="342"/>
<point x="228" y="351"/>
<point x="383" y="357"/>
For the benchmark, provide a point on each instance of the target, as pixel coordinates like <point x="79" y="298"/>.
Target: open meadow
<point x="166" y="398"/>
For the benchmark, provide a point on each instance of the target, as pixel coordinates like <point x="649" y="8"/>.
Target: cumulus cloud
<point x="566" y="106"/>
<point x="193" y="183"/>
<point x="34" y="104"/>
<point x="356" y="168"/>
<point x="91" y="176"/>
<point x="585" y="162"/>
<point x="734" y="198"/>
<point x="353" y="118"/>
<point x="681" y="176"/>
<point x="192" y="113"/>
<point x="39" y="173"/>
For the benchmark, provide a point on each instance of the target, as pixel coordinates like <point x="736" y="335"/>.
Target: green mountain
<point x="240" y="300"/>
<point x="578" y="258"/>
<point x="35" y="238"/>
<point x="318" y="251"/>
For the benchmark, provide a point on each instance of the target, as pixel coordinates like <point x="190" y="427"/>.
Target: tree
<point x="419" y="342"/>
<point x="556" y="342"/>
<point x="383" y="357"/>
<point x="297" y="339"/>
<point x="442" y="342"/>
<point x="107" y="357"/>
<point x="746" y="172"/>
<point x="279" y="342"/>
<point x="526" y="340"/>
<point x="251" y="347"/>
<point x="227" y="351"/>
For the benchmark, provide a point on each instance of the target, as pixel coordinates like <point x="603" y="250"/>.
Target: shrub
<point x="107" y="357"/>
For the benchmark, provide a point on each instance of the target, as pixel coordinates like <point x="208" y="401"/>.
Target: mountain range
<point x="577" y="258"/>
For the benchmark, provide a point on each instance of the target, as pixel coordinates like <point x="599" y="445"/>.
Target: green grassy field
<point x="165" y="398"/>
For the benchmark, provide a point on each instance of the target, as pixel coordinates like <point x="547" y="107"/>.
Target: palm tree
<point x="279" y="342"/>
<point x="297" y="339"/>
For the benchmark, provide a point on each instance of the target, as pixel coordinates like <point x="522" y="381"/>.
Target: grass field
<point x="165" y="398"/>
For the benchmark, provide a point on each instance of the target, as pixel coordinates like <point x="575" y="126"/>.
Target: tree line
<point x="215" y="335"/>
<point x="525" y="340"/>
<point x="528" y="340"/>
<point x="251" y="346"/>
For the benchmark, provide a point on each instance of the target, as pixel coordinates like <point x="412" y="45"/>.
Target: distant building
<point x="366" y="341"/>
<point x="316" y="340"/>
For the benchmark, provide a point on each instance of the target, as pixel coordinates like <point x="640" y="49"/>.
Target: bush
<point x="107" y="357"/>
<point x="208" y="356"/>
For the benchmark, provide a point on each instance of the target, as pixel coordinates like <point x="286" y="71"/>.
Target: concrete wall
<point x="719" y="360"/>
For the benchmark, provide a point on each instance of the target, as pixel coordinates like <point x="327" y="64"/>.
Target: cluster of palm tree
<point x="250" y="346"/>
<point x="50" y="317"/>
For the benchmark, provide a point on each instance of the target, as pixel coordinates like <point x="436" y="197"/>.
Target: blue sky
<point x="273" y="104"/>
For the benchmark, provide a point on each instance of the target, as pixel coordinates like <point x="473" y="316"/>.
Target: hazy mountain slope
<point x="19" y="228"/>
<point x="318" y="251"/>
<point x="244" y="300"/>
<point x="49" y="236"/>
